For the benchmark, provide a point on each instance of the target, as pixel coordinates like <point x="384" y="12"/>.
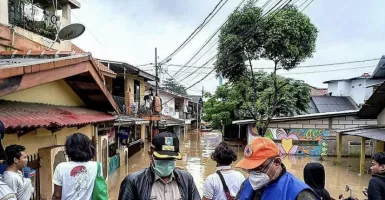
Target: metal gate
<point x="34" y="164"/>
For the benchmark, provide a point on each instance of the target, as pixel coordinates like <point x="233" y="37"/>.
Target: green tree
<point x="173" y="86"/>
<point x="220" y="107"/>
<point x="286" y="37"/>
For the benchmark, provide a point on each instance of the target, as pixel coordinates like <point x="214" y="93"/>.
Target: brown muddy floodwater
<point x="196" y="149"/>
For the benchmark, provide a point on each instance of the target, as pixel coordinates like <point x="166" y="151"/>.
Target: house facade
<point x="358" y="88"/>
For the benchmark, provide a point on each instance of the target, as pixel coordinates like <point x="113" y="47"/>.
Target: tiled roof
<point x="17" y="115"/>
<point x="100" y="65"/>
<point x="318" y="91"/>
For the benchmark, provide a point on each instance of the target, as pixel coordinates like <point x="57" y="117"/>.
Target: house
<point x="46" y="96"/>
<point x="374" y="135"/>
<point x="50" y="89"/>
<point x="174" y="115"/>
<point x="128" y="90"/>
<point x="195" y="109"/>
<point x="358" y="88"/>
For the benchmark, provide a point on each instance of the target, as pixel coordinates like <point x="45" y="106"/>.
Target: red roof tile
<point x="100" y="65"/>
<point x="17" y="115"/>
<point x="318" y="91"/>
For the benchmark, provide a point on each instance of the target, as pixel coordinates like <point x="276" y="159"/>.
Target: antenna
<point x="71" y="31"/>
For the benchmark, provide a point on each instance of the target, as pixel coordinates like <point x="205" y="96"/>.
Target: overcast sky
<point x="129" y="30"/>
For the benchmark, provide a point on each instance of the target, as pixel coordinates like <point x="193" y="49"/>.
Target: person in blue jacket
<point x="268" y="178"/>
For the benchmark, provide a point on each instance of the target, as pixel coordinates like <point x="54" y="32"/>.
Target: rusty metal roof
<point x="374" y="105"/>
<point x="18" y="115"/>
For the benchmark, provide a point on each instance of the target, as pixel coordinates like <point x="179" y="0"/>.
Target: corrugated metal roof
<point x="376" y="132"/>
<point x="325" y="104"/>
<point x="18" y="115"/>
<point x="195" y="98"/>
<point x="374" y="105"/>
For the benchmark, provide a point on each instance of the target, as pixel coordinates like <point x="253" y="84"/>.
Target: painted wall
<point x="41" y="138"/>
<point x="381" y="118"/>
<point x="4" y="12"/>
<point x="289" y="140"/>
<point x="54" y="93"/>
<point x="343" y="88"/>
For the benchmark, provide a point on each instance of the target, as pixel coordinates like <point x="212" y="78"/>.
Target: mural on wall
<point x="296" y="141"/>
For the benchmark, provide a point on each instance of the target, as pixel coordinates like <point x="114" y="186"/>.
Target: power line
<point x="307" y="5"/>
<point x="332" y="70"/>
<point x="87" y="29"/>
<point x="209" y="39"/>
<point x="246" y="33"/>
<point x="198" y="29"/>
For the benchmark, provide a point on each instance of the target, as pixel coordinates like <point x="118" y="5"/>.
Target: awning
<point x="18" y="116"/>
<point x="128" y="120"/>
<point x="376" y="132"/>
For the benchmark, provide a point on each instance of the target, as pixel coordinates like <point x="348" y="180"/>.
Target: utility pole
<point x="156" y="82"/>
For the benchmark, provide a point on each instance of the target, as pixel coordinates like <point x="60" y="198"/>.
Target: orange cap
<point x="257" y="152"/>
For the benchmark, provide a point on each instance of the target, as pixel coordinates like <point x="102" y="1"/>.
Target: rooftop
<point x="374" y="105"/>
<point x="324" y="104"/>
<point x="122" y="67"/>
<point x="26" y="116"/>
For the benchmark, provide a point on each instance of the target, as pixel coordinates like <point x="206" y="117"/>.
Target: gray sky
<point x="129" y="30"/>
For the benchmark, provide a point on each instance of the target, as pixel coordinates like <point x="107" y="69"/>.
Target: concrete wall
<point x="168" y="101"/>
<point x="343" y="88"/>
<point x="357" y="90"/>
<point x="54" y="93"/>
<point x="4" y="12"/>
<point x="41" y="138"/>
<point x="130" y="84"/>
<point x="333" y="88"/>
<point x="381" y="117"/>
<point x="321" y="140"/>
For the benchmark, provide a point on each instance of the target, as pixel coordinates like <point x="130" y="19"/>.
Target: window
<point x="137" y="92"/>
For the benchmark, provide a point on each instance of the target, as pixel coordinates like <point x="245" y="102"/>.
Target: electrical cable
<point x="197" y="30"/>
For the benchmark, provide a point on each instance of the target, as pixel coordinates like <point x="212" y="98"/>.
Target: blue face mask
<point x="164" y="167"/>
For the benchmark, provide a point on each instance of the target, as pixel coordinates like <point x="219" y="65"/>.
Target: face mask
<point x="260" y="179"/>
<point x="164" y="167"/>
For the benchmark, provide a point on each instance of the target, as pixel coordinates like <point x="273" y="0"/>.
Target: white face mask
<point x="258" y="179"/>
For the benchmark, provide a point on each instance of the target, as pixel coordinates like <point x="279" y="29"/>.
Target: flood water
<point x="197" y="148"/>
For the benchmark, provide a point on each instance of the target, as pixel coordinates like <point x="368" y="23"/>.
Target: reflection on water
<point x="197" y="148"/>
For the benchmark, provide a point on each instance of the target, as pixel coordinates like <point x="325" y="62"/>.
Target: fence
<point x="34" y="164"/>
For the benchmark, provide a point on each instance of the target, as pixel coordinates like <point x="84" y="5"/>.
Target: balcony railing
<point x="29" y="15"/>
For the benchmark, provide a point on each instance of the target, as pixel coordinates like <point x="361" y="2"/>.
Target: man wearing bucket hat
<point x="268" y="178"/>
<point x="162" y="180"/>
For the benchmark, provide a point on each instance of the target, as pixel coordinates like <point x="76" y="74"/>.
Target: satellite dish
<point x="71" y="31"/>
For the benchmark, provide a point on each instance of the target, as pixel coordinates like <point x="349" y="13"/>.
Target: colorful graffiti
<point x="296" y="141"/>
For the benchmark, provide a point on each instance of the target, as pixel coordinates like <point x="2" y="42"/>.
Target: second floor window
<point x="137" y="92"/>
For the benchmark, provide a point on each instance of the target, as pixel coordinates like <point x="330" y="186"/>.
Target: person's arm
<point x="127" y="190"/>
<point x="374" y="192"/>
<point x="306" y="195"/>
<point x="208" y="190"/>
<point x="57" y="191"/>
<point x="57" y="183"/>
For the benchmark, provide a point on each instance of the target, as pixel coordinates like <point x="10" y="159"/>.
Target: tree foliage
<point x="174" y="86"/>
<point x="287" y="37"/>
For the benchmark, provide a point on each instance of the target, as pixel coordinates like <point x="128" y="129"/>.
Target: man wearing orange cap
<point x="268" y="178"/>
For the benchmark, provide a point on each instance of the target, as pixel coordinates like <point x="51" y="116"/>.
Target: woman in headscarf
<point x="314" y="175"/>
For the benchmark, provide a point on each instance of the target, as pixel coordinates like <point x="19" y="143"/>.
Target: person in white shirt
<point x="17" y="159"/>
<point x="223" y="155"/>
<point x="74" y="180"/>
